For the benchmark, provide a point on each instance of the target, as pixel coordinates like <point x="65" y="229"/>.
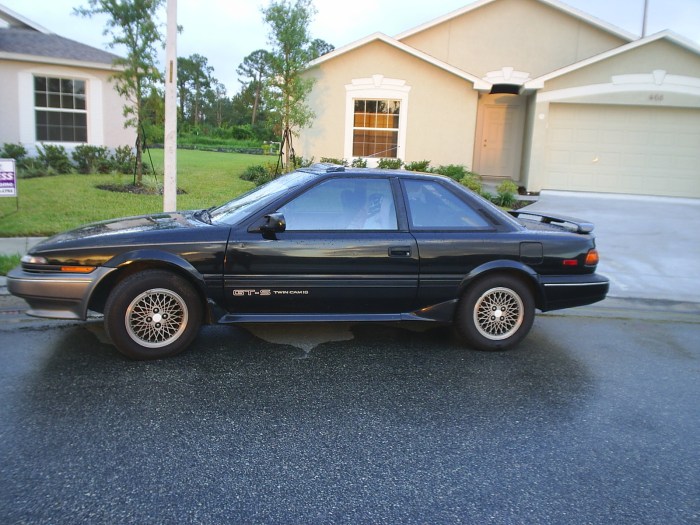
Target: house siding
<point x="524" y="34"/>
<point x="104" y="105"/>
<point x="441" y="116"/>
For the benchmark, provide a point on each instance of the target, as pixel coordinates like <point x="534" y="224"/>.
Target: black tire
<point x="153" y="314"/>
<point x="495" y="313"/>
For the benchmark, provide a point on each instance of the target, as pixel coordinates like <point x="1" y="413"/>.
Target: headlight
<point x="33" y="259"/>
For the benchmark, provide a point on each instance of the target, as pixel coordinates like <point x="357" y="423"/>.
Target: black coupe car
<point x="321" y="244"/>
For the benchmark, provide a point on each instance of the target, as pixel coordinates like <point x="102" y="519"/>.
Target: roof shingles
<point x="28" y="42"/>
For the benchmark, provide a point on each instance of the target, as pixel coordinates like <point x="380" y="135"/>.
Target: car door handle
<point x="400" y="251"/>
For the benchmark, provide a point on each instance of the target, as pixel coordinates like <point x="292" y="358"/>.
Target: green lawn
<point x="7" y="262"/>
<point x="49" y="205"/>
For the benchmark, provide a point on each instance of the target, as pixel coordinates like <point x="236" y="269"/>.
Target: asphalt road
<point x="591" y="420"/>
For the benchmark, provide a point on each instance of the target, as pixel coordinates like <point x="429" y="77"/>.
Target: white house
<point x="55" y="90"/>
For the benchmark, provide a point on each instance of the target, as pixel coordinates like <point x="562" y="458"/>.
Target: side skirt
<point x="440" y="313"/>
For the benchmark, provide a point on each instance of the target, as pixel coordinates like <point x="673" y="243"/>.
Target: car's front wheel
<point x="496" y="313"/>
<point x="153" y="314"/>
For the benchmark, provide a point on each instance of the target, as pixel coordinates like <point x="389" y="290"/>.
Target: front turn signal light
<point x="592" y="257"/>
<point x="77" y="269"/>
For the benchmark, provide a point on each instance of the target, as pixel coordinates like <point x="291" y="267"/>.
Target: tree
<point x="131" y="24"/>
<point x="242" y="104"/>
<point x="319" y="47"/>
<point x="255" y="67"/>
<point x="290" y="40"/>
<point x="220" y="103"/>
<point x="194" y="79"/>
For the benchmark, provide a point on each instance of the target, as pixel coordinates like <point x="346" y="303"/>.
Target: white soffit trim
<point x="658" y="81"/>
<point x="538" y="83"/>
<point x="581" y="15"/>
<point x="381" y="37"/>
<point x="35" y="59"/>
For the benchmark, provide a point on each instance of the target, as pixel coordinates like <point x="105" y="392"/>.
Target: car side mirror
<point x="273" y="224"/>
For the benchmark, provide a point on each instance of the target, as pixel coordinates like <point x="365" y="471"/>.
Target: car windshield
<point x="242" y="206"/>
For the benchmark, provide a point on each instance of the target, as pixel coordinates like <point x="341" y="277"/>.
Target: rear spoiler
<point x="576" y="225"/>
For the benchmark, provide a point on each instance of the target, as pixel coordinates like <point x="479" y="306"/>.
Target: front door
<point x="499" y="144"/>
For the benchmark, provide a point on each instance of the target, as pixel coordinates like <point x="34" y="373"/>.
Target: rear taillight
<point x="592" y="257"/>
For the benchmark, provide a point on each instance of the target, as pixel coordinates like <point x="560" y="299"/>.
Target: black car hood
<point x="125" y="229"/>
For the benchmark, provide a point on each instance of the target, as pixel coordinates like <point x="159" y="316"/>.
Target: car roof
<point x="324" y="168"/>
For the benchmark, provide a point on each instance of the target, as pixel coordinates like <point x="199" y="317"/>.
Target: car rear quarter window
<point x="432" y="206"/>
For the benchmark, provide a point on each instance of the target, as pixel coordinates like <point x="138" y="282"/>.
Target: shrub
<point x="359" y="162"/>
<point x="302" y="162"/>
<point x="506" y="193"/>
<point x="473" y="182"/>
<point x="258" y="174"/>
<point x="13" y="151"/>
<point x="454" y="171"/>
<point x="92" y="159"/>
<point x="390" y="164"/>
<point x="331" y="160"/>
<point x="123" y="160"/>
<point x="54" y="157"/>
<point x="32" y="168"/>
<point x="153" y="133"/>
<point x="421" y="165"/>
<point x="244" y="132"/>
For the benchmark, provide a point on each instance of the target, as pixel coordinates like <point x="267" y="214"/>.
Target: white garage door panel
<point x="624" y="149"/>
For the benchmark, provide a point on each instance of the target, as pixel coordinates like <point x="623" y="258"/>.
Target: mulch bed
<point x="135" y="189"/>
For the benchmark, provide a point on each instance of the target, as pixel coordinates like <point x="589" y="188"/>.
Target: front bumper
<point x="567" y="291"/>
<point x="56" y="296"/>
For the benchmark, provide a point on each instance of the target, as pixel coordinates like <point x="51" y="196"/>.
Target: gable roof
<point x="16" y="20"/>
<point x="381" y="37"/>
<point x="585" y="17"/>
<point x="538" y="83"/>
<point x="25" y="40"/>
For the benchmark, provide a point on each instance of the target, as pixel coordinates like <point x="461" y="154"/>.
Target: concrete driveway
<point x="649" y="246"/>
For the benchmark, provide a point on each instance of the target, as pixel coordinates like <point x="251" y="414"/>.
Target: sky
<point x="226" y="31"/>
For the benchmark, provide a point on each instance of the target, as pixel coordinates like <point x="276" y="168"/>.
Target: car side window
<point x="343" y="204"/>
<point x="431" y="206"/>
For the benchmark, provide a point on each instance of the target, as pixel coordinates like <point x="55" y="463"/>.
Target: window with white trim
<point x="376" y="110"/>
<point x="376" y="128"/>
<point x="60" y="109"/>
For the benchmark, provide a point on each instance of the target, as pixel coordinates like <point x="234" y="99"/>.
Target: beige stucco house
<point x="531" y="90"/>
<point x="55" y="90"/>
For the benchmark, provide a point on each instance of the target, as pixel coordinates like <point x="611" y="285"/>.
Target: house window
<point x="376" y="128"/>
<point x="376" y="118"/>
<point x="60" y="109"/>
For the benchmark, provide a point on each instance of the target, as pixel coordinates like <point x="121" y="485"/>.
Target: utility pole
<point x="644" y="20"/>
<point x="170" y="152"/>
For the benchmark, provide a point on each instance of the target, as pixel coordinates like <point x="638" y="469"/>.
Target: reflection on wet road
<point x="589" y="421"/>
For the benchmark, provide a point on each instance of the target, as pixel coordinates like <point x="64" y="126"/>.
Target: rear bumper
<point x="56" y="296"/>
<point x="567" y="291"/>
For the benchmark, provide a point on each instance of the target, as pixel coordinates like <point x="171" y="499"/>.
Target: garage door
<point x="624" y="149"/>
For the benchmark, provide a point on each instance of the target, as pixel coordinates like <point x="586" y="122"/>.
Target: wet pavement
<point x="591" y="420"/>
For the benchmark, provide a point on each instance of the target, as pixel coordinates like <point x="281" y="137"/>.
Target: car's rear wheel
<point x="496" y="313"/>
<point x="153" y="314"/>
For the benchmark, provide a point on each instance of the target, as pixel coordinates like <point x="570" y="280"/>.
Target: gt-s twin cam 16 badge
<point x="252" y="292"/>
